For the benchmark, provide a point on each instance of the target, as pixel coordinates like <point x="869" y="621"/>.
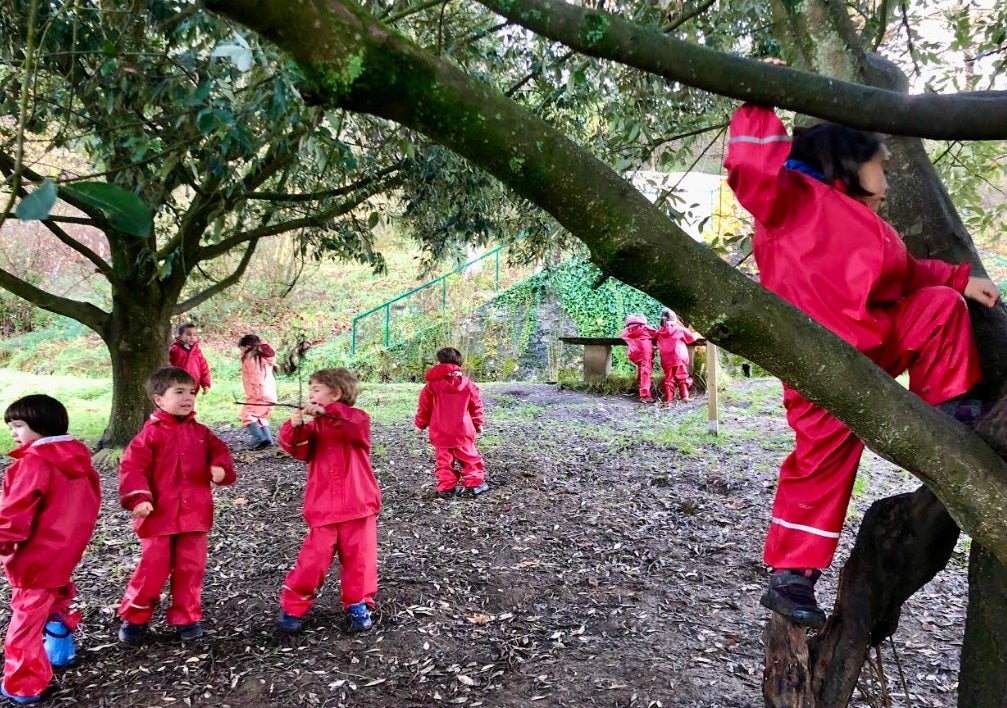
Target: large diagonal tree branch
<point x="360" y="65"/>
<point x="966" y="116"/>
<point x="83" y="312"/>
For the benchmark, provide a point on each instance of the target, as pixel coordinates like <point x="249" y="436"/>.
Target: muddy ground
<point x="615" y="562"/>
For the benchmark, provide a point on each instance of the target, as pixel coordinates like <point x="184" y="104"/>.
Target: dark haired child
<point x="341" y="501"/>
<point x="639" y="338"/>
<point x="820" y="245"/>
<point x="672" y="342"/>
<point x="49" y="508"/>
<point x="257" y="362"/>
<point x="165" y="481"/>
<point x="451" y="406"/>
<point x="185" y="353"/>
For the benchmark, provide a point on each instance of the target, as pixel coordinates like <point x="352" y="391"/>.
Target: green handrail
<point x="444" y="296"/>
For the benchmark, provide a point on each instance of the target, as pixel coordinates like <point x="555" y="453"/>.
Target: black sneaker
<point x="189" y="632"/>
<point x="792" y="594"/>
<point x="132" y="634"/>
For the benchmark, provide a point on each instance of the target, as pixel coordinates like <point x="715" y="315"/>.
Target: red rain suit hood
<point x="51" y="497"/>
<point x="337" y="447"/>
<point x="168" y="464"/>
<point x="451" y="405"/>
<point x="192" y="360"/>
<point x="673" y="341"/>
<point x="639" y="337"/>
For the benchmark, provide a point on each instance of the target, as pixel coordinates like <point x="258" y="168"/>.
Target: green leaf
<point x="124" y="210"/>
<point x="38" y="204"/>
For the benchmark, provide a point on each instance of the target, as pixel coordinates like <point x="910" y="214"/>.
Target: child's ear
<point x="338" y="393"/>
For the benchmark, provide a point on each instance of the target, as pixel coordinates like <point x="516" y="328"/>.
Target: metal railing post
<point x="388" y="318"/>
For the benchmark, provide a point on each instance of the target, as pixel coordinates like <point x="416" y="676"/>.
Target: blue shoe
<point x="132" y="634"/>
<point x="189" y="632"/>
<point x="476" y="491"/>
<point x="58" y="641"/>
<point x="360" y="617"/>
<point x="289" y="623"/>
<point x="20" y="700"/>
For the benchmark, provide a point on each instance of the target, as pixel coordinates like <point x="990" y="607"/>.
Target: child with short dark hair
<point x="51" y="497"/>
<point x="639" y="337"/>
<point x="341" y="501"/>
<point x="165" y="481"/>
<point x="673" y="342"/>
<point x="451" y="406"/>
<point x="257" y="362"/>
<point x="185" y="353"/>
<point x="820" y="245"/>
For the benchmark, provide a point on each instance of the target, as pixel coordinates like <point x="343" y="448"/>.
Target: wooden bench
<point x="598" y="354"/>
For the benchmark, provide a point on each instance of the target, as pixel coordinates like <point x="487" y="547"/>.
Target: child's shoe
<point x="289" y="623"/>
<point x="791" y="594"/>
<point x="20" y="700"/>
<point x="190" y="632"/>
<point x="132" y="634"/>
<point x="360" y="617"/>
<point x="448" y="493"/>
<point x="476" y="491"/>
<point x="58" y="641"/>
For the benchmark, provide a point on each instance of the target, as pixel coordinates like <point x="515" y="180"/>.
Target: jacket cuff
<point x="960" y="277"/>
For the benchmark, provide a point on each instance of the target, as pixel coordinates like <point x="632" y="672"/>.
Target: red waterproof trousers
<point x="357" y="544"/>
<point x="182" y="556"/>
<point x="472" y="473"/>
<point x="27" y="671"/>
<point x="931" y="337"/>
<point x="643" y="371"/>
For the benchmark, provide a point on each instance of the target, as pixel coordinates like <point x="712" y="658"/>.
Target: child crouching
<point x="341" y="501"/>
<point x="50" y="504"/>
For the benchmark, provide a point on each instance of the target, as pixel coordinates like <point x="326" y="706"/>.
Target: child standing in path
<point x="639" y="337"/>
<point x="672" y="342"/>
<point x="341" y="501"/>
<point x="165" y="481"/>
<point x="257" y="362"/>
<point x="452" y="407"/>
<point x="821" y="246"/>
<point x="185" y="353"/>
<point x="50" y="504"/>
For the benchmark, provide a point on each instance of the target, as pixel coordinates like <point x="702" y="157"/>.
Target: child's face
<point x="189" y="336"/>
<point x="179" y="399"/>
<point x="322" y="395"/>
<point x="21" y="433"/>
<point x="873" y="177"/>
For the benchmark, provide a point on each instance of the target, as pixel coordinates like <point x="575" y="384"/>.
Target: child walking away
<point x="257" y="362"/>
<point x="50" y="504"/>
<point x="164" y="480"/>
<point x="672" y="342"/>
<point x="639" y="337"/>
<point x="452" y="407"/>
<point x="185" y="353"/>
<point x="821" y="246"/>
<point x="341" y="501"/>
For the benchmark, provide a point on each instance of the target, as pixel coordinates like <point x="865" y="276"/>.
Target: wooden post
<point x="712" y="412"/>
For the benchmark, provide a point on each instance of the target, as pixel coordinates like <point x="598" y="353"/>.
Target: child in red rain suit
<point x="184" y="353"/>
<point x="341" y="501"/>
<point x="639" y="337"/>
<point x="452" y="407"/>
<point x="821" y="246"/>
<point x="672" y="342"/>
<point x="164" y="480"/>
<point x="257" y="362"/>
<point x="49" y="509"/>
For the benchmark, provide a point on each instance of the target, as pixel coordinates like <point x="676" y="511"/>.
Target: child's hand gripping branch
<point x="982" y="290"/>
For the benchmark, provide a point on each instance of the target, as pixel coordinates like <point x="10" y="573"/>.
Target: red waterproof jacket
<point x="168" y="464"/>
<point x="337" y="447"/>
<point x="451" y="405"/>
<point x="192" y="360"/>
<point x="51" y="497"/>
<point x="673" y="341"/>
<point x="640" y="339"/>
<point x="818" y="248"/>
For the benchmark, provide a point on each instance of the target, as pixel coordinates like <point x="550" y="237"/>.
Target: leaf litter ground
<point x="615" y="562"/>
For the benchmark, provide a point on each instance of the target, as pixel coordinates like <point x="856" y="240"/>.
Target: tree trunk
<point x="133" y="320"/>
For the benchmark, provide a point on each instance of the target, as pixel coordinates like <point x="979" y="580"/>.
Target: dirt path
<point x="598" y="571"/>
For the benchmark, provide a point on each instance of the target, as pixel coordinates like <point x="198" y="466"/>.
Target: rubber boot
<point x="683" y="391"/>
<point x="267" y="434"/>
<point x="259" y="440"/>
<point x="669" y="392"/>
<point x="58" y="641"/>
